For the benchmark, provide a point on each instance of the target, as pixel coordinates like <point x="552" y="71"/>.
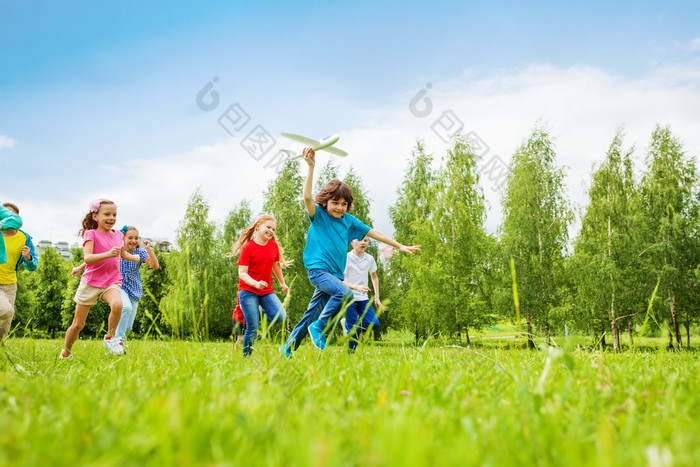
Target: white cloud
<point x="581" y="106"/>
<point x="694" y="44"/>
<point x="6" y="142"/>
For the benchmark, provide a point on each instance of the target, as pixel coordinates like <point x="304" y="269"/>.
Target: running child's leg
<point x="339" y="293"/>
<point x="250" y="304"/>
<point x="134" y="308"/>
<point x="351" y="323"/>
<point x="127" y="311"/>
<point x="272" y="307"/>
<point x="113" y="298"/>
<point x="313" y="311"/>
<point x="81" y="312"/>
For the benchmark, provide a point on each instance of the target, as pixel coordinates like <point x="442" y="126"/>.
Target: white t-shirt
<point x="356" y="271"/>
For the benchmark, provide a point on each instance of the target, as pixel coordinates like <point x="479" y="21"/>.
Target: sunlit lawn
<point x="188" y="403"/>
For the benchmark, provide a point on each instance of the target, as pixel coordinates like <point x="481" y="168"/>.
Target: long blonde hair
<point x="247" y="235"/>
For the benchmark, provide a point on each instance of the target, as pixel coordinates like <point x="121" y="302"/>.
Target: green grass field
<point x="189" y="403"/>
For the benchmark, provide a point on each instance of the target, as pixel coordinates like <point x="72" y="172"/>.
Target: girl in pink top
<point x="102" y="248"/>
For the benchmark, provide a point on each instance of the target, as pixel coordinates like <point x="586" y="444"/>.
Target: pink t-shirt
<point x="103" y="273"/>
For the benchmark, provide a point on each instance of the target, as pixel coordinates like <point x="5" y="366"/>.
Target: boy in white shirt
<point x="358" y="265"/>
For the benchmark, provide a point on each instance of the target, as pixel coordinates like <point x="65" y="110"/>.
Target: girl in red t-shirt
<point x="260" y="256"/>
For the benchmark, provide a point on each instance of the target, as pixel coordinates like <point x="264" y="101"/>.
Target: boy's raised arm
<point x="309" y="157"/>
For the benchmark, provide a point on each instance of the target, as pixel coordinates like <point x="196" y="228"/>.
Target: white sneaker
<point x="345" y="329"/>
<point x="112" y="345"/>
<point x="121" y="344"/>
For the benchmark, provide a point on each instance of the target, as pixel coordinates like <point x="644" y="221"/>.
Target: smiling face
<point x="131" y="240"/>
<point x="266" y="231"/>
<point x="106" y="217"/>
<point x="337" y="207"/>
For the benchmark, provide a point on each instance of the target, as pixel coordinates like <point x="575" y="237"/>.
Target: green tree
<point x="604" y="262"/>
<point x="199" y="296"/>
<point x="668" y="194"/>
<point x="535" y="227"/>
<point x="459" y="226"/>
<point x="53" y="274"/>
<point x="411" y="217"/>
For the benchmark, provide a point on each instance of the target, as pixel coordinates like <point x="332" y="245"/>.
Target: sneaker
<point x="317" y="335"/>
<point x="122" y="345"/>
<point x="345" y="328"/>
<point x="112" y="345"/>
<point x="65" y="357"/>
<point x="285" y="351"/>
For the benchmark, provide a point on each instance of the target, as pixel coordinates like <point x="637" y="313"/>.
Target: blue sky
<point x="96" y="98"/>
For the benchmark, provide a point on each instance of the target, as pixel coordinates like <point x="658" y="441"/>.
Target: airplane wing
<point x="336" y="151"/>
<point x="300" y="139"/>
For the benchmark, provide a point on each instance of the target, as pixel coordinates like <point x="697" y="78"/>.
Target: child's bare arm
<point x="91" y="258"/>
<point x="277" y="269"/>
<point x="245" y="277"/>
<point x="152" y="259"/>
<point x="129" y="257"/>
<point x="310" y="158"/>
<point x="377" y="235"/>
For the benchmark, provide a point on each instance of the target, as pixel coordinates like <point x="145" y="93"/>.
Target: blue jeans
<point x="325" y="303"/>
<point x="360" y="309"/>
<point x="250" y="304"/>
<point x="126" y="322"/>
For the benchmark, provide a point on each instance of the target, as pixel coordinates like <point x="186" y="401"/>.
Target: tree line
<point x="632" y="267"/>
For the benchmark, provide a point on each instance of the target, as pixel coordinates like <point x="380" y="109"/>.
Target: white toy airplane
<point x="326" y="144"/>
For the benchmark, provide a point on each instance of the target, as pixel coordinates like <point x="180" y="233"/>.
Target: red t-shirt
<point x="259" y="259"/>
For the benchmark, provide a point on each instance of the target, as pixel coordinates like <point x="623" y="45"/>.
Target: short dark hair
<point x="12" y="206"/>
<point x="335" y="190"/>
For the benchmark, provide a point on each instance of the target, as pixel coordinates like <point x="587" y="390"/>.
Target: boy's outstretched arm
<point x="377" y="235"/>
<point x="310" y="158"/>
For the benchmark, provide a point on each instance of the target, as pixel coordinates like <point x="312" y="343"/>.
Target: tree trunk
<point x="670" y="339"/>
<point x="602" y="331"/>
<point x="615" y="336"/>
<point x="530" y="342"/>
<point x="466" y="333"/>
<point x="459" y="334"/>
<point x="630" y="328"/>
<point x="674" y="317"/>
<point x="546" y="330"/>
<point x="687" y="328"/>
<point x="417" y="336"/>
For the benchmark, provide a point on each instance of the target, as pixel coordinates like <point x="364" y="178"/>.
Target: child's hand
<point x="285" y="288"/>
<point x="260" y="285"/>
<point x="409" y="249"/>
<point x="74" y="272"/>
<point x="146" y="243"/>
<point x="310" y="156"/>
<point x="25" y="253"/>
<point x="114" y="252"/>
<point x="378" y="305"/>
<point x="362" y="288"/>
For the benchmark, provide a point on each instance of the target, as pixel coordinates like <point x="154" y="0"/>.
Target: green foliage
<point x="535" y="225"/>
<point x="199" y="297"/>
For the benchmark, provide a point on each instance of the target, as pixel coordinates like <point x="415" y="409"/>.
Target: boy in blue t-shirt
<point x="331" y="231"/>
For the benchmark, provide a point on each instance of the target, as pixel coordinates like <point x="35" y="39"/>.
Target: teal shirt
<point x="8" y="221"/>
<point x="328" y="240"/>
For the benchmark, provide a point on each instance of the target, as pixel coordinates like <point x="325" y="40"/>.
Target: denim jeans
<point x="325" y="303"/>
<point x="363" y="311"/>
<point x="250" y="304"/>
<point x="126" y="322"/>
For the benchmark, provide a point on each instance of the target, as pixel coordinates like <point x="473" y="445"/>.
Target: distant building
<point x="62" y="248"/>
